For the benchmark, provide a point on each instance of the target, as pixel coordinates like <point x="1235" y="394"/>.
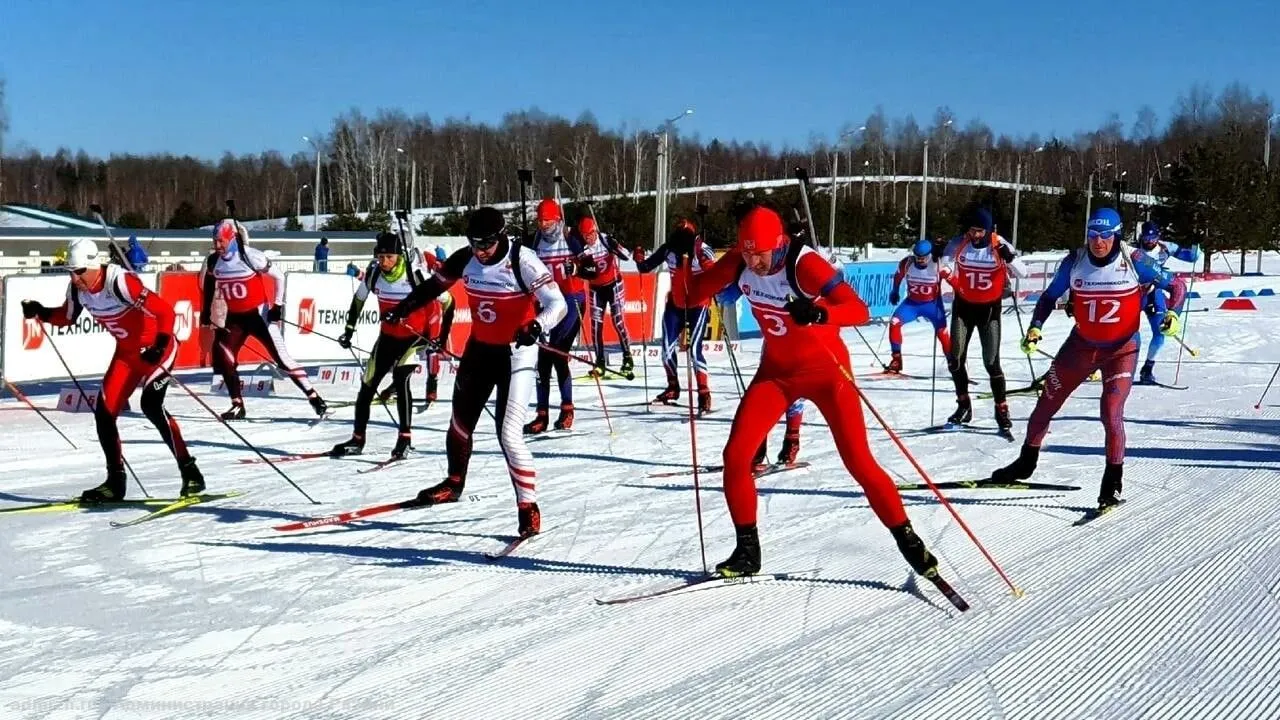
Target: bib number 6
<point x="485" y="312"/>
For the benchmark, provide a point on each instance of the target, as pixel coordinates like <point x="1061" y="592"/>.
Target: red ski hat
<point x="548" y="209"/>
<point x="587" y="225"/>
<point x="761" y="231"/>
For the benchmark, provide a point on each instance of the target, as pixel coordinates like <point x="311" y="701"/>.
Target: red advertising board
<point x="182" y="290"/>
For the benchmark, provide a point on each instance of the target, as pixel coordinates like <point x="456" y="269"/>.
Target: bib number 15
<point x="979" y="281"/>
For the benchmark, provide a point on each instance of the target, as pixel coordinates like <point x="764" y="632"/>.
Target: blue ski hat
<point x="1150" y="233"/>
<point x="922" y="248"/>
<point x="1103" y="221"/>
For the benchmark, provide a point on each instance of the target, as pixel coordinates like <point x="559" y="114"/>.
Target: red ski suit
<point x="798" y="361"/>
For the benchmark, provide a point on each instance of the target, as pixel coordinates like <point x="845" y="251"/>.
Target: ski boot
<point x="598" y="370"/>
<point x="1148" y="374"/>
<point x="565" y="421"/>
<point x="913" y="549"/>
<point x="445" y="492"/>
<point x="963" y="413"/>
<point x="670" y="395"/>
<point x="1017" y="471"/>
<point x="192" y="480"/>
<point x="432" y="386"/>
<point x="895" y="363"/>
<point x="1112" y="487"/>
<point x="628" y="366"/>
<point x="110" y="491"/>
<point x="539" y="423"/>
<point x="790" y="449"/>
<point x="402" y="446"/>
<point x="317" y="403"/>
<point x="704" y="401"/>
<point x="236" y="412"/>
<point x="384" y="397"/>
<point x="1002" y="416"/>
<point x="354" y="446"/>
<point x="745" y="558"/>
<point x="530" y="519"/>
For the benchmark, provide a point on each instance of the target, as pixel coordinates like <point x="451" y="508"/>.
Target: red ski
<point x="352" y="515"/>
<point x="286" y="458"/>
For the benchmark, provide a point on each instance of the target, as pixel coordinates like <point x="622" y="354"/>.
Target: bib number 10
<point x="234" y="290"/>
<point x="1110" y="311"/>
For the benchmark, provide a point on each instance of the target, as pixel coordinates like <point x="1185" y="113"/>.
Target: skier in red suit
<point x="800" y="301"/>
<point x="142" y="324"/>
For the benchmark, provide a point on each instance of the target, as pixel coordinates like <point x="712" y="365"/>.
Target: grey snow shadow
<point x="909" y="497"/>
<point x="1237" y="454"/>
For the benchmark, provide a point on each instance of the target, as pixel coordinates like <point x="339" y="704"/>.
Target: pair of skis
<point x="163" y="506"/>
<point x="759" y="471"/>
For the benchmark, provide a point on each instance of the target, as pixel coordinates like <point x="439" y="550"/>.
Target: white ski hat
<point x="81" y="254"/>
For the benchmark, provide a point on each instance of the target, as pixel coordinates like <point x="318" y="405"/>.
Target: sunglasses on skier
<point x="1105" y="235"/>
<point x="484" y="243"/>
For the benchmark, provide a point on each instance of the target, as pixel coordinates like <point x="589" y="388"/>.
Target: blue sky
<point x="203" y="77"/>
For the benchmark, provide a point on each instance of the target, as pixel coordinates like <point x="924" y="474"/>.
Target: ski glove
<point x="805" y="312"/>
<point x="1170" y="325"/>
<point x="1031" y="341"/>
<point x="33" y="308"/>
<point x="344" y="340"/>
<point x="529" y="334"/>
<point x="155" y="353"/>
<point x="894" y="296"/>
<point x="275" y="314"/>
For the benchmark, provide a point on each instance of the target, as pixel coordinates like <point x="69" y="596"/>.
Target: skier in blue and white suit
<point x="1151" y="246"/>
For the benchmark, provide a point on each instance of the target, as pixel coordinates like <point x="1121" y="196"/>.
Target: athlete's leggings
<point x="966" y="318"/>
<point x="614" y="296"/>
<point x="125" y="371"/>
<point x="1076" y="360"/>
<point x="765" y="400"/>
<point x="561" y="337"/>
<point x="388" y="352"/>
<point x="232" y="336"/>
<point x="483" y="368"/>
<point x="674" y="321"/>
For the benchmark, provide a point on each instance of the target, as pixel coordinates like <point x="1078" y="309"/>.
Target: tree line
<point x="1206" y="158"/>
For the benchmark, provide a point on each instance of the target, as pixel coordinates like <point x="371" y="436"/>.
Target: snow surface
<point x="1166" y="608"/>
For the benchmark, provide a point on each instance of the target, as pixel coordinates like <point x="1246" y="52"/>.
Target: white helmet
<point x="81" y="254"/>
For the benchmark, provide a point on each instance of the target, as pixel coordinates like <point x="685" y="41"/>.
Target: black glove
<point x="344" y="340"/>
<point x="393" y="316"/>
<point x="529" y="334"/>
<point x="154" y="354"/>
<point x="681" y="242"/>
<point x="588" y="270"/>
<point x="894" y="296"/>
<point x="32" y="308"/>
<point x="805" y="312"/>
<point x="275" y="314"/>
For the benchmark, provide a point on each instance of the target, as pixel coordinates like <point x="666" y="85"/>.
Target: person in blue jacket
<point x="1151" y="246"/>
<point x="136" y="255"/>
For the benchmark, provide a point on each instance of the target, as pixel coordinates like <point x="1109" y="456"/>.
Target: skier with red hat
<point x="559" y="251"/>
<point x="801" y="301"/>
<point x="598" y="264"/>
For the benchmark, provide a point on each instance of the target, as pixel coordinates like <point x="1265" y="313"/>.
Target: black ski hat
<point x="485" y="223"/>
<point x="387" y="243"/>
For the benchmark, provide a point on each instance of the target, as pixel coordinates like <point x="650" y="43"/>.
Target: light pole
<point x="413" y="180"/>
<point x="1017" y="197"/>
<point x="297" y="205"/>
<point x="924" y="187"/>
<point x="1266" y="143"/>
<point x="315" y="189"/>
<point x="660" y="181"/>
<point x="835" y="172"/>
<point x="1150" y="179"/>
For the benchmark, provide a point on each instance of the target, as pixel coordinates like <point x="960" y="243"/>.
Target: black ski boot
<point x="317" y="403"/>
<point x="1148" y="374"/>
<point x="745" y="558"/>
<point x="669" y="396"/>
<point x="895" y="363"/>
<point x="963" y="413"/>
<point x="1112" y="487"/>
<point x="384" y="397"/>
<point x="432" y="383"/>
<point x="110" y="491"/>
<point x="236" y="412"/>
<point x="192" y="480"/>
<point x="565" y="421"/>
<point x="628" y="366"/>
<point x="913" y="549"/>
<point x="354" y="446"/>
<point x="762" y="455"/>
<point x="402" y="446"/>
<point x="1002" y="416"/>
<point x="704" y="401"/>
<point x="446" y="492"/>
<point x="1018" y="470"/>
<point x="539" y="423"/>
<point x="790" y="449"/>
<point x="530" y="519"/>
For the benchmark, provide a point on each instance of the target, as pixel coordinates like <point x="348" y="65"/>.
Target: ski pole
<point x="1017" y="592"/>
<point x="85" y="397"/>
<point x="18" y="394"/>
<point x="570" y="356"/>
<point x="1258" y="405"/>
